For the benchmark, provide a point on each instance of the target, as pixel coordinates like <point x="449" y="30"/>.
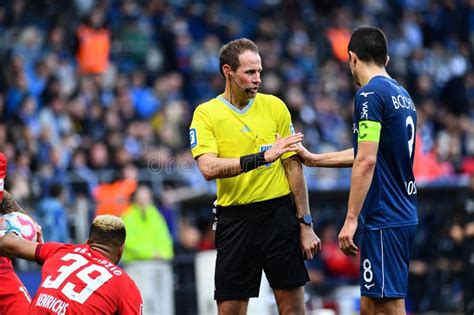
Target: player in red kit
<point x="80" y="279"/>
<point x="14" y="298"/>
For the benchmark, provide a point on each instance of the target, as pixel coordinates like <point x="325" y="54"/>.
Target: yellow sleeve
<point x="201" y="136"/>
<point x="285" y="126"/>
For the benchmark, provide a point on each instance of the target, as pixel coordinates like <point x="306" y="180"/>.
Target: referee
<point x="264" y="222"/>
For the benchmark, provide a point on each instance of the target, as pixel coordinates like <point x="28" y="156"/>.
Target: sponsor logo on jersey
<point x="365" y="111"/>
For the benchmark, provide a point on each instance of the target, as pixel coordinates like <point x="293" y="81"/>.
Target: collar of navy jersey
<point x="235" y="109"/>
<point x="364" y="92"/>
<point x="383" y="77"/>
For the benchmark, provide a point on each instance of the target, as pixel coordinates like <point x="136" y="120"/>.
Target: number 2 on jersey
<point x="92" y="284"/>
<point x="411" y="142"/>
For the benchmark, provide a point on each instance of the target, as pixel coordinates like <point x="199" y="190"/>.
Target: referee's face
<point x="247" y="76"/>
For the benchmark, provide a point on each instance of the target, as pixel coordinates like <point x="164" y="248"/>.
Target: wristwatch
<point x="306" y="219"/>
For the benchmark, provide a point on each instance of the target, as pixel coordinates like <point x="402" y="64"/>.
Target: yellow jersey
<point x="221" y="128"/>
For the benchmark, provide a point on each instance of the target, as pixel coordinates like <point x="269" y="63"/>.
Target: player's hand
<point x="39" y="234"/>
<point x="304" y="154"/>
<point x="283" y="145"/>
<point x="310" y="242"/>
<point x="346" y="238"/>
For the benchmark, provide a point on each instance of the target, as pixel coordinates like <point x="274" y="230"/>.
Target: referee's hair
<point x="369" y="44"/>
<point x="108" y="230"/>
<point x="230" y="52"/>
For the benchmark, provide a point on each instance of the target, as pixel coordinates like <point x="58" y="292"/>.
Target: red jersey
<point x="78" y="280"/>
<point x="14" y="298"/>
<point x="5" y="265"/>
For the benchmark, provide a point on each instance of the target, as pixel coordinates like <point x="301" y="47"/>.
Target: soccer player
<point x="80" y="279"/>
<point x="14" y="298"/>
<point x="264" y="220"/>
<point x="382" y="196"/>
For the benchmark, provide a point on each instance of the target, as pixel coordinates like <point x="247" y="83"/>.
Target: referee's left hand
<point x="310" y="242"/>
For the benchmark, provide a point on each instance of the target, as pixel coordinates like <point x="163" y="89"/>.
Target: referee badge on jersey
<point x="192" y="137"/>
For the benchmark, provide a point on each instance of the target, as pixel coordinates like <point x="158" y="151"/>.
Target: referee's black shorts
<point x="249" y="238"/>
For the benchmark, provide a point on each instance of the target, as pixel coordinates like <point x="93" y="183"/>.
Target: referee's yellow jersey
<point x="220" y="128"/>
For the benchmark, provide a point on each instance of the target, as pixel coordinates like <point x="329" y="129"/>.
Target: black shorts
<point x="262" y="235"/>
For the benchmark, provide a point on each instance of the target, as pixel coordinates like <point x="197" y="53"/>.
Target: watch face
<point x="308" y="219"/>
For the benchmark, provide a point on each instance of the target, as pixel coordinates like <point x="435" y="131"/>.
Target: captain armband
<point x="252" y="161"/>
<point x="369" y="131"/>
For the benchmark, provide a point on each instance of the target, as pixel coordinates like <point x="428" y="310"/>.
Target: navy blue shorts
<point x="384" y="259"/>
<point x="255" y="237"/>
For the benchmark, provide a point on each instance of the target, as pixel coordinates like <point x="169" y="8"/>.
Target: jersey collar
<point x="235" y="109"/>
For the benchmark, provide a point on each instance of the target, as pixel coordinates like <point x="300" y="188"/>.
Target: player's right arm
<point x="12" y="245"/>
<point x="343" y="158"/>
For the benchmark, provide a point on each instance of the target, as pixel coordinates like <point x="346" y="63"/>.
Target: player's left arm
<point x="369" y="112"/>
<point x="361" y="179"/>
<point x="362" y="174"/>
<point x="12" y="245"/>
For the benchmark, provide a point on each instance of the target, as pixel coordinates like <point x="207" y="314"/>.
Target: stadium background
<point x="71" y="132"/>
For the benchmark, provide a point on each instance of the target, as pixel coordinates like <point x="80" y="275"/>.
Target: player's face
<point x="247" y="76"/>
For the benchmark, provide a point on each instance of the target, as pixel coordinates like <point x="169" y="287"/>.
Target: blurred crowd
<point x="87" y="86"/>
<point x="95" y="93"/>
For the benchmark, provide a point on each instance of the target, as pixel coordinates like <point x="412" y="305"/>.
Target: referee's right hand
<point x="283" y="145"/>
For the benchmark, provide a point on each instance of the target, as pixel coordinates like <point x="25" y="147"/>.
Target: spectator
<point x="52" y="215"/>
<point x="93" y="44"/>
<point x="149" y="236"/>
<point x="114" y="198"/>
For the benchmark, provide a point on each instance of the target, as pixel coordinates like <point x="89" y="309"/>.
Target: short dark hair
<point x="369" y="44"/>
<point x="108" y="230"/>
<point x="230" y="52"/>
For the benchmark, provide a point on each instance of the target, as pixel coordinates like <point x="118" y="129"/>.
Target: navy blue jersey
<point x="391" y="200"/>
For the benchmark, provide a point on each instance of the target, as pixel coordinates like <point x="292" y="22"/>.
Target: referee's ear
<point x="227" y="70"/>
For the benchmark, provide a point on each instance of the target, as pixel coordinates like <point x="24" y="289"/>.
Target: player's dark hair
<point x="107" y="230"/>
<point x="230" y="52"/>
<point x="369" y="44"/>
